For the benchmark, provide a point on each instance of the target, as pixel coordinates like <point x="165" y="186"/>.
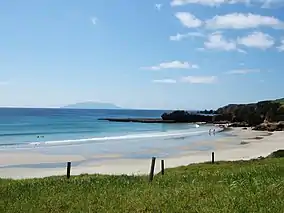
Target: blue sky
<point x="163" y="54"/>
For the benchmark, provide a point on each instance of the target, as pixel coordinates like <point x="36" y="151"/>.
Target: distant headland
<point x="91" y="105"/>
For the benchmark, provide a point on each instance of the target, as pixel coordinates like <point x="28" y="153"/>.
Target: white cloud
<point x="242" y="71"/>
<point x="94" y="20"/>
<point x="179" y="36"/>
<point x="199" y="79"/>
<point x="265" y="3"/>
<point x="242" y="51"/>
<point x="205" y="2"/>
<point x="218" y="42"/>
<point x="271" y="3"/>
<point x="158" y="6"/>
<point x="195" y="66"/>
<point x="254" y="40"/>
<point x="243" y="21"/>
<point x="173" y="65"/>
<point x="188" y="20"/>
<point x="281" y="47"/>
<point x="165" y="81"/>
<point x="257" y="40"/>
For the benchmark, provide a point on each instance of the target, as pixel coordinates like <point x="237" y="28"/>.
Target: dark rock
<point x="207" y="112"/>
<point x="220" y="122"/>
<point x="271" y="127"/>
<point x="277" y="154"/>
<point x="138" y="120"/>
<point x="253" y="114"/>
<point x="240" y="115"/>
<point x="239" y="124"/>
<point x="185" y="116"/>
<point x="244" y="143"/>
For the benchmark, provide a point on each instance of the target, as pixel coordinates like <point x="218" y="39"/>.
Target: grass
<point x="281" y="101"/>
<point x="244" y="186"/>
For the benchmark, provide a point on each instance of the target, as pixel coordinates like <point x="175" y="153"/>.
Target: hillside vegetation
<point x="251" y="114"/>
<point x="253" y="186"/>
<point x="281" y="101"/>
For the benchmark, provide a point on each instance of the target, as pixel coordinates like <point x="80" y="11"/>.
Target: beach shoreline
<point x="239" y="144"/>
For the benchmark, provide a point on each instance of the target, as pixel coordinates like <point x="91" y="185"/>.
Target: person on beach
<point x="213" y="131"/>
<point x="209" y="131"/>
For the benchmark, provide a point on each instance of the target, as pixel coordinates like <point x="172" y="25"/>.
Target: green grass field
<point x="253" y="186"/>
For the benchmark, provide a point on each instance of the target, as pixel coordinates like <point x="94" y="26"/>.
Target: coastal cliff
<point x="253" y="113"/>
<point x="261" y="115"/>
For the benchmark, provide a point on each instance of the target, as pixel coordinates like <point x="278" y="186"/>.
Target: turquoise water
<point x="69" y="131"/>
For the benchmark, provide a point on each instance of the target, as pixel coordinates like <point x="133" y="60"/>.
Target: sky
<point x="152" y="54"/>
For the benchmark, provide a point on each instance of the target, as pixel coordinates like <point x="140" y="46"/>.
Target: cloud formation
<point x="243" y="21"/>
<point x="189" y="79"/>
<point x="257" y="40"/>
<point x="265" y="3"/>
<point x="173" y="65"/>
<point x="235" y="21"/>
<point x="205" y="2"/>
<point x="242" y="71"/>
<point x="281" y="47"/>
<point x="179" y="37"/>
<point x="188" y="20"/>
<point x="165" y="81"/>
<point x="218" y="42"/>
<point x="199" y="79"/>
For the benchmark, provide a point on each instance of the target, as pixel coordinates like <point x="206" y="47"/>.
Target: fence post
<point x="151" y="176"/>
<point x="162" y="167"/>
<point x="68" y="169"/>
<point x="213" y="157"/>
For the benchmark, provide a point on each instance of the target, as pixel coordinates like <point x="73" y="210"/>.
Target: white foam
<point x="123" y="137"/>
<point x="34" y="143"/>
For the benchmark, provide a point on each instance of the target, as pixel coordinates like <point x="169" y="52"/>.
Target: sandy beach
<point x="239" y="144"/>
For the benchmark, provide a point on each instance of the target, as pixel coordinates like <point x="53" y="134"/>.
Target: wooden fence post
<point x="213" y="157"/>
<point x="162" y="167"/>
<point x="68" y="169"/>
<point x="151" y="176"/>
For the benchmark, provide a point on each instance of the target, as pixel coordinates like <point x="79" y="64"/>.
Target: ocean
<point x="70" y="131"/>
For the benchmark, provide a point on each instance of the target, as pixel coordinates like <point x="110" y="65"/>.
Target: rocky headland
<point x="138" y="120"/>
<point x="263" y="115"/>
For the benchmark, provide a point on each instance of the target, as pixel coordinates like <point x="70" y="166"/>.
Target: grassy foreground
<point x="253" y="186"/>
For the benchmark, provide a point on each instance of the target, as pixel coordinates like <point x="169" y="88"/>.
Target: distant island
<point x="91" y="105"/>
